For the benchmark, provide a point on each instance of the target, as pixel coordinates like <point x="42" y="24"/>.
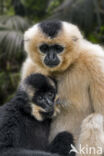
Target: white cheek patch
<point x="36" y="112"/>
<point x="42" y="59"/>
<point x="60" y="58"/>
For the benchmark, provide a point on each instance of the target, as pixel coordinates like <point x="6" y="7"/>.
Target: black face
<point x="45" y="99"/>
<point x="51" y="51"/>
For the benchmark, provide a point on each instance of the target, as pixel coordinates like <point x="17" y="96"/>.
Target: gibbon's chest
<point x="73" y="90"/>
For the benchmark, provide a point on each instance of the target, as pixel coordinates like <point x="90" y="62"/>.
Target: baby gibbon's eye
<point x="51" y="94"/>
<point x="39" y="98"/>
<point x="44" y="48"/>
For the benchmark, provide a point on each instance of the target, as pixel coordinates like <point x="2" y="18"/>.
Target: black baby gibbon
<point x="25" y="121"/>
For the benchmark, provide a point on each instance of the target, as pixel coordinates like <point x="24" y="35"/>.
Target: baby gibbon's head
<point x="41" y="91"/>
<point x="53" y="45"/>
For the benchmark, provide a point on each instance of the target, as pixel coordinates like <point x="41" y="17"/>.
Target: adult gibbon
<point x="25" y="121"/>
<point x="58" y="49"/>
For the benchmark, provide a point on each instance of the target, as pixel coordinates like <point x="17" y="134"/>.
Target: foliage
<point x="11" y="53"/>
<point x="8" y="83"/>
<point x="97" y="36"/>
<point x="36" y="9"/>
<point x="53" y="5"/>
<point x="11" y="36"/>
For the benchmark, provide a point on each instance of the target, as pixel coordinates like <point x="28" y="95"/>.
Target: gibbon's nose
<point x="51" y="59"/>
<point x="49" y="111"/>
<point x="49" y="105"/>
<point x="52" y="56"/>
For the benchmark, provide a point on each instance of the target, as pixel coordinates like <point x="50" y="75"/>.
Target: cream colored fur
<point x="92" y="134"/>
<point x="80" y="82"/>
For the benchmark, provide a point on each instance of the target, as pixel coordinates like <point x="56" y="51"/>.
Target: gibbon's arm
<point x="96" y="69"/>
<point x="9" y="133"/>
<point x="24" y="152"/>
<point x="93" y="58"/>
<point x="92" y="133"/>
<point x="62" y="144"/>
<point x="29" y="68"/>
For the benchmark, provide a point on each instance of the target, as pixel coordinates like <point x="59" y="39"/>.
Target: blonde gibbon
<point x="58" y="49"/>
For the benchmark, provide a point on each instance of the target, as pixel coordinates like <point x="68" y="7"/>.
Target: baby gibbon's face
<point x="45" y="100"/>
<point x="52" y="44"/>
<point x="41" y="91"/>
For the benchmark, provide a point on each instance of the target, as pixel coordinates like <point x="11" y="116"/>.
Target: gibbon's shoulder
<point x="11" y="110"/>
<point x="91" y="57"/>
<point x="28" y="68"/>
<point x="28" y="62"/>
<point x="91" y="49"/>
<point x="8" y="115"/>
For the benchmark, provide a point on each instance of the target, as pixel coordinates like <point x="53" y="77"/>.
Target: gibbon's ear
<point x="74" y="38"/>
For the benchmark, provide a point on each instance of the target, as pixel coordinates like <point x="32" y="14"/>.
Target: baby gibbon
<point x="25" y="121"/>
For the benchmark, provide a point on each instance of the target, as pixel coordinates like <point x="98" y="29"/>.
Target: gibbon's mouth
<point x="47" y="114"/>
<point x="51" y="65"/>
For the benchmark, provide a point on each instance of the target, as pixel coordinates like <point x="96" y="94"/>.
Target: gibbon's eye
<point x="51" y="94"/>
<point x="39" y="98"/>
<point x="44" y="48"/>
<point x="58" y="48"/>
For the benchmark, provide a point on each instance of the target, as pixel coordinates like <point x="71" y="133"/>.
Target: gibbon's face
<point x="42" y="93"/>
<point x="53" y="45"/>
<point x="45" y="100"/>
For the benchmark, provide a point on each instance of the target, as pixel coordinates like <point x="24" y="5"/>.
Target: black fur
<point x="38" y="81"/>
<point x="22" y="135"/>
<point x="51" y="28"/>
<point x="62" y="144"/>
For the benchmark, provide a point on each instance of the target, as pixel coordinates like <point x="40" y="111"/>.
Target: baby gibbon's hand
<point x="57" y="106"/>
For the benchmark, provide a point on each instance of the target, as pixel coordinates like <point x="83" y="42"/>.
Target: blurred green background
<point x="17" y="15"/>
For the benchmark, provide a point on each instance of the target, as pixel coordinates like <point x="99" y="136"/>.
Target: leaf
<point x="11" y="42"/>
<point x="14" y="22"/>
<point x="11" y="36"/>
